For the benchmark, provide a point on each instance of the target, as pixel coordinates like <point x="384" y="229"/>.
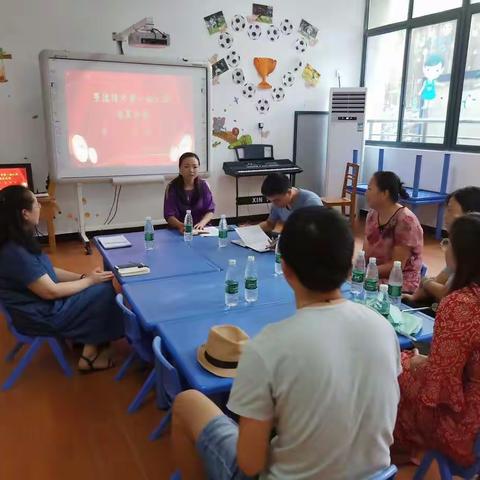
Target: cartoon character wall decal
<point x="432" y="69"/>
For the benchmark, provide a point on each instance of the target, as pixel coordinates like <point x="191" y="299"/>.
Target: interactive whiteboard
<point x="111" y="116"/>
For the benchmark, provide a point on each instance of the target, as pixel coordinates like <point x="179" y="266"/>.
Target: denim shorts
<point x="217" y="446"/>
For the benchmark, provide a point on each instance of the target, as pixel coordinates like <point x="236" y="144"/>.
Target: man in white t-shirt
<point x="316" y="393"/>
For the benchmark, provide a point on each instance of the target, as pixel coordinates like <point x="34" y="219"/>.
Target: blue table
<point x="182" y="340"/>
<point x="183" y="298"/>
<point x="198" y="296"/>
<point x="171" y="257"/>
<point x="182" y="337"/>
<point x="208" y="247"/>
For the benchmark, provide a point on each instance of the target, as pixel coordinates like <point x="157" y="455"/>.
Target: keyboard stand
<point x="253" y="152"/>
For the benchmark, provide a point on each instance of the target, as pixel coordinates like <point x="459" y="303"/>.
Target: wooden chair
<point x="350" y="183"/>
<point x="47" y="213"/>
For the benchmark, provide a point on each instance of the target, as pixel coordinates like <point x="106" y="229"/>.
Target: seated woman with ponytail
<point x="47" y="301"/>
<point x="392" y="231"/>
<point x="433" y="289"/>
<point x="188" y="192"/>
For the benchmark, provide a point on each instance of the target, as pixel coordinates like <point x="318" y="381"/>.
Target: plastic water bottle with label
<point x="188" y="227"/>
<point x="231" y="284"/>
<point x="358" y="277"/>
<point x="278" y="258"/>
<point x="223" y="232"/>
<point x="382" y="304"/>
<point x="149" y="234"/>
<point x="395" y="284"/>
<point x="251" y="280"/>
<point x="371" y="281"/>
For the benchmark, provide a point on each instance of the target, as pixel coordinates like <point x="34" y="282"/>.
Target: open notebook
<point x="254" y="238"/>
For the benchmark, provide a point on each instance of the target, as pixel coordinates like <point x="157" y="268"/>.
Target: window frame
<point x="463" y="17"/>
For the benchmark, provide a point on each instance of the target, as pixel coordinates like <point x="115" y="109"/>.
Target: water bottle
<point x="278" y="258"/>
<point x="148" y="234"/>
<point x="188" y="224"/>
<point x="251" y="280"/>
<point x="231" y="284"/>
<point x="223" y="232"/>
<point x="358" y="276"/>
<point x="395" y="284"/>
<point x="382" y="304"/>
<point x="371" y="280"/>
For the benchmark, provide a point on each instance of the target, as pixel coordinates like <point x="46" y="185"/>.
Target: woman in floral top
<point x="392" y="231"/>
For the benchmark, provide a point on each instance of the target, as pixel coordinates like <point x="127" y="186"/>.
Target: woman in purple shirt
<point x="188" y="192"/>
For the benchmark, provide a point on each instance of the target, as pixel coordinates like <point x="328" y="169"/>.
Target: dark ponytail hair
<point x="179" y="185"/>
<point x="13" y="200"/>
<point x="391" y="183"/>
<point x="468" y="198"/>
<point x="465" y="238"/>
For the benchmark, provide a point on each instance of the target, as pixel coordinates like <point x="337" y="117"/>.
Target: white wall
<point x="28" y="26"/>
<point x="464" y="170"/>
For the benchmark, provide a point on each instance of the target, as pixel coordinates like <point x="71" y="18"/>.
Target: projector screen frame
<point x="44" y="58"/>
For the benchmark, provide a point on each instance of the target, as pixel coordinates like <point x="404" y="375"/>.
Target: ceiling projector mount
<point x="142" y="34"/>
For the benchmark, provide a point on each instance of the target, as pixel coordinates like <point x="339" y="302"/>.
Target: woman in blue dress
<point x="45" y="300"/>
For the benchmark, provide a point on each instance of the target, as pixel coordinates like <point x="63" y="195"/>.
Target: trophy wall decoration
<point x="264" y="66"/>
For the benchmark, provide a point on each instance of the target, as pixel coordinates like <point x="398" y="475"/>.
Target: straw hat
<point x="221" y="353"/>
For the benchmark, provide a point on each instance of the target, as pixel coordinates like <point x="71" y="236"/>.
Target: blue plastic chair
<point x="385" y="474"/>
<point x="35" y="343"/>
<point x="171" y="385"/>
<point x="141" y="350"/>
<point x="448" y="468"/>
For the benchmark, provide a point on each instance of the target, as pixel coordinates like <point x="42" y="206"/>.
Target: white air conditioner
<point x="345" y="134"/>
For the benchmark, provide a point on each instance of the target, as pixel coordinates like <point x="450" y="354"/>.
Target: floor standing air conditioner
<point x="345" y="134"/>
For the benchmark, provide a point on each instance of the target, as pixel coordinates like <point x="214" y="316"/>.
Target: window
<point x="428" y="83"/>
<point x="383" y="12"/>
<point x="469" y="123"/>
<point x="383" y="78"/>
<point x="426" y="7"/>
<point x="421" y="66"/>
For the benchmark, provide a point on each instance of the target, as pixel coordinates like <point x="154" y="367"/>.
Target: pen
<point x="417" y="309"/>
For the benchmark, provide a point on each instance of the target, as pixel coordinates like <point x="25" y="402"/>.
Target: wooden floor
<point x="52" y="427"/>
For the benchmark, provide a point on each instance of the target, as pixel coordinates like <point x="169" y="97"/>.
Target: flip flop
<point x="91" y="367"/>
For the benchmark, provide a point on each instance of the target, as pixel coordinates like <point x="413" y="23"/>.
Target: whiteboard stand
<point x="81" y="220"/>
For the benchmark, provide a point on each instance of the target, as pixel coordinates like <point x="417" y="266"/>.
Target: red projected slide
<point x="13" y="176"/>
<point x="118" y="119"/>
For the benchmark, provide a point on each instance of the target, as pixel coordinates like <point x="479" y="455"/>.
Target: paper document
<point x="253" y="237"/>
<point x="114" y="241"/>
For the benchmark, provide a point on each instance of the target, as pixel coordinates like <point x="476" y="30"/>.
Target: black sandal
<point x="91" y="367"/>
